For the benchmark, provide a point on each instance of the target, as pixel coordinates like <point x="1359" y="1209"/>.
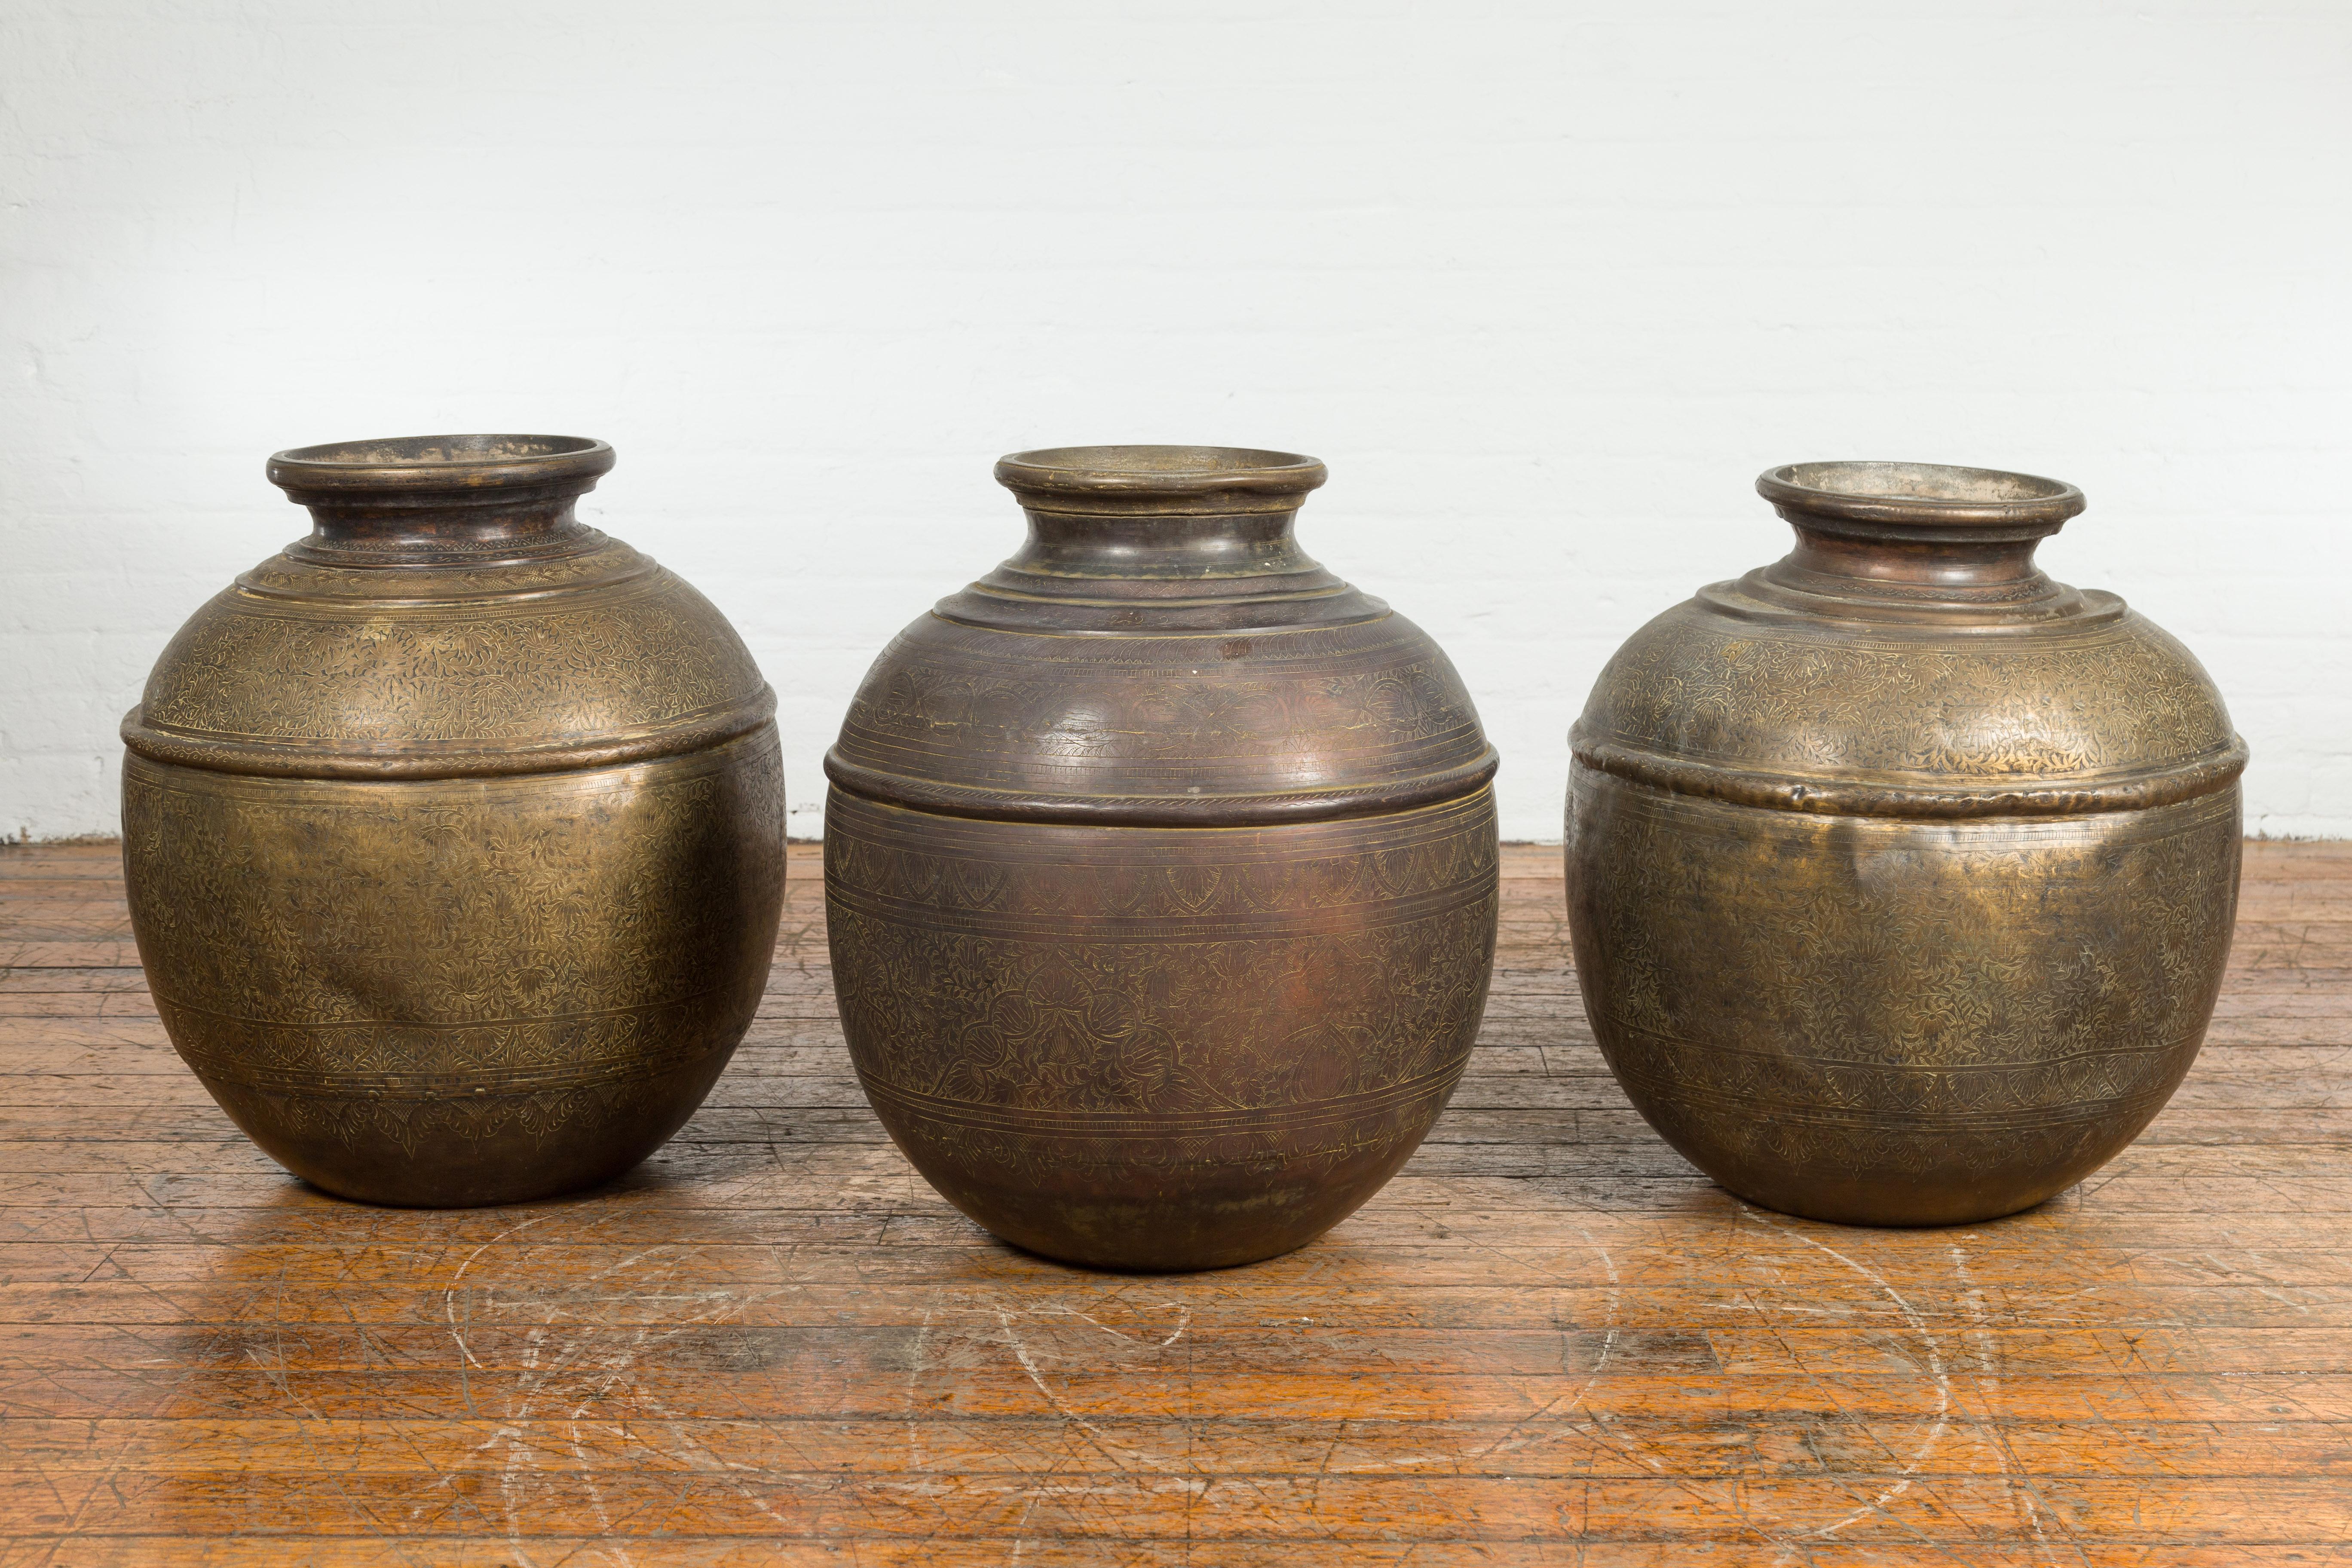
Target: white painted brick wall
<point x="1546" y="285"/>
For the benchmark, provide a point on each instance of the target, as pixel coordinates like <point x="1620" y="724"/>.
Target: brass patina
<point x="1160" y="872"/>
<point x="1902" y="877"/>
<point x="454" y="832"/>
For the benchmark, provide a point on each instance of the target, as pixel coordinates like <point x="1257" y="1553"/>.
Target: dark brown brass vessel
<point x="1160" y="872"/>
<point x="1901" y="877"/>
<point x="455" y="832"/>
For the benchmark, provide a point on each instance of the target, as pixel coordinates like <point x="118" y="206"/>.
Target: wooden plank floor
<point x="1548" y="1341"/>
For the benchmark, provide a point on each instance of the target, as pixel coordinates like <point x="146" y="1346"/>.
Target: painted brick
<point x="1546" y="285"/>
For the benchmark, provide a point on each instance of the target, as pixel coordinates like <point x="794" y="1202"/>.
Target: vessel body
<point x="1901" y="878"/>
<point x="1161" y="873"/>
<point x="453" y="835"/>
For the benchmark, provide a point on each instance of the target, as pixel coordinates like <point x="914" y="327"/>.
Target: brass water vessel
<point x="1901" y="877"/>
<point x="1160" y="872"/>
<point x="454" y="832"/>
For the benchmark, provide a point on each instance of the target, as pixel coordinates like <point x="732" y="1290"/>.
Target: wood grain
<point x="1548" y="1341"/>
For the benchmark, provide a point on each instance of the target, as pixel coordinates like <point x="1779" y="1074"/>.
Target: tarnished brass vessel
<point x="1901" y="877"/>
<point x="454" y="832"/>
<point x="1160" y="872"/>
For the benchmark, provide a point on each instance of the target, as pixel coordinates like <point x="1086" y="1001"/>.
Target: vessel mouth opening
<point x="439" y="462"/>
<point x="404" y="451"/>
<point x="1159" y="478"/>
<point x="1932" y="494"/>
<point x="1127" y="464"/>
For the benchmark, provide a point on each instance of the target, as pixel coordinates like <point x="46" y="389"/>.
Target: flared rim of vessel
<point x="1937" y="494"/>
<point x="439" y="462"/>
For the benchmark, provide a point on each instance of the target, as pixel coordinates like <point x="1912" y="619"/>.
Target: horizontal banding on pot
<point x="2137" y="790"/>
<point x="437" y="463"/>
<point x="304" y="759"/>
<point x="1179" y="481"/>
<point x="1160" y="810"/>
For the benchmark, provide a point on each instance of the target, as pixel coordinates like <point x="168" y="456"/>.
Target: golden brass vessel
<point x="1901" y="877"/>
<point x="1160" y="872"/>
<point x="454" y="832"/>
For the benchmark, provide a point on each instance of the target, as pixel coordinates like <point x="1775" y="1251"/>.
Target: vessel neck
<point x="420" y="529"/>
<point x="1158" y="540"/>
<point x="1954" y="565"/>
<point x="420" y="500"/>
<point x="1117" y="548"/>
<point x="1163" y="575"/>
<point x="1916" y="541"/>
